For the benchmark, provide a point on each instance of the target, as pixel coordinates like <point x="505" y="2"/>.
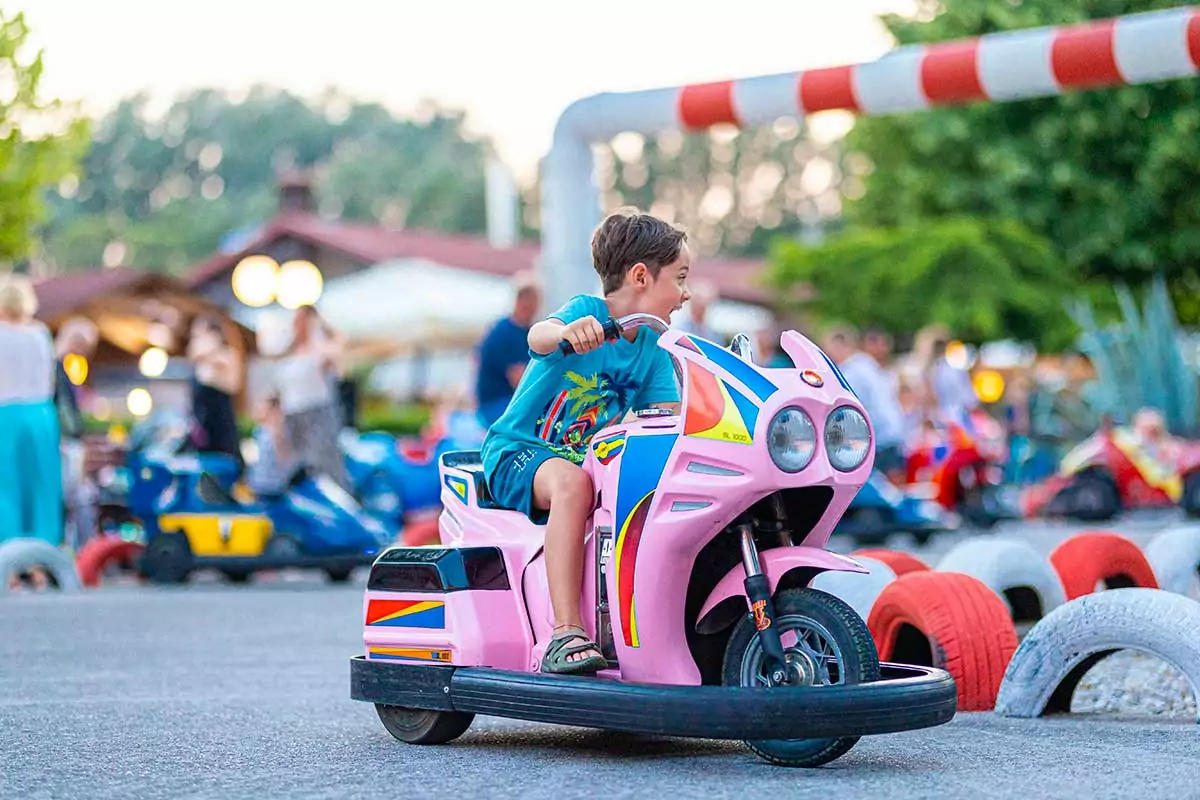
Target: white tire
<point x="1174" y="555"/>
<point x="1059" y="650"/>
<point x="19" y="555"/>
<point x="1011" y="568"/>
<point x="857" y="589"/>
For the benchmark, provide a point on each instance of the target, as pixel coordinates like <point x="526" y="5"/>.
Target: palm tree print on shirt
<point x="573" y="416"/>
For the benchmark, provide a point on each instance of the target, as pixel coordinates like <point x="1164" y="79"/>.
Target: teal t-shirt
<point x="563" y="400"/>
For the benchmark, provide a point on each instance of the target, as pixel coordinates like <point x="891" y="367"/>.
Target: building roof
<point x="735" y="279"/>
<point x="67" y="293"/>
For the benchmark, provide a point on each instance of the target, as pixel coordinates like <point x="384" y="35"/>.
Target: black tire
<point x="420" y="726"/>
<point x="1191" y="495"/>
<point x="922" y="537"/>
<point x="1094" y="497"/>
<point x="871" y="525"/>
<point x="167" y="559"/>
<point x="339" y="574"/>
<point x="858" y="663"/>
<point x="237" y="575"/>
<point x="282" y="546"/>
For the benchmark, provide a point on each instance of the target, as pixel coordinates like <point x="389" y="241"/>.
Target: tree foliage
<point x="40" y="141"/>
<point x="168" y="187"/>
<point x="1107" y="176"/>
<point x="983" y="279"/>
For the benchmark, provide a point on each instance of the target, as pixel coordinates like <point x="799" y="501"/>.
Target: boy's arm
<point x="574" y="322"/>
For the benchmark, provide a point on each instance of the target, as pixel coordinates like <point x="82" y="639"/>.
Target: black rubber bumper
<point x="907" y="698"/>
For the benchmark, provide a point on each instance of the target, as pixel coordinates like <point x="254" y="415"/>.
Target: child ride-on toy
<point x="708" y="528"/>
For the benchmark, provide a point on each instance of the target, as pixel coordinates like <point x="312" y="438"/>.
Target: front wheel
<point x="826" y="643"/>
<point x="421" y="726"/>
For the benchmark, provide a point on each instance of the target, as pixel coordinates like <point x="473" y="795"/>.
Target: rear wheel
<point x="1094" y="497"/>
<point x="421" y="726"/>
<point x="167" y="559"/>
<point x="826" y="643"/>
<point x="1191" y="495"/>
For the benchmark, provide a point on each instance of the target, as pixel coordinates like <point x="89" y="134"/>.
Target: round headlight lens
<point x="791" y="439"/>
<point x="847" y="439"/>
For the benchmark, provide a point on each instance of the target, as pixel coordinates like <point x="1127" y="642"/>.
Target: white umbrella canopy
<point x="414" y="301"/>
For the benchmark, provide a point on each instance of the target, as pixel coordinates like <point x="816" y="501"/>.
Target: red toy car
<point x="959" y="469"/>
<point x="1120" y="468"/>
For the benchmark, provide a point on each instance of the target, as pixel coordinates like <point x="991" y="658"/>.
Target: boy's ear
<point x="639" y="275"/>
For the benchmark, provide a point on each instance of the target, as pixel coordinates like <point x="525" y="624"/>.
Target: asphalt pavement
<point x="243" y="691"/>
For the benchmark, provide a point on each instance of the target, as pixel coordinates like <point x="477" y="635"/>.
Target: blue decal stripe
<point x="645" y="459"/>
<point x="838" y="373"/>
<point x="745" y="407"/>
<point x="754" y="380"/>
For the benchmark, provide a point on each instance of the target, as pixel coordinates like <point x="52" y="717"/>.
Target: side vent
<point x="711" y="469"/>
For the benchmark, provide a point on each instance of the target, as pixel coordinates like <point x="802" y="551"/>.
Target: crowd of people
<point x="903" y="397"/>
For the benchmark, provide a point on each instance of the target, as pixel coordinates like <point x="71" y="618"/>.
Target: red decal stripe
<point x="1085" y="56"/>
<point x="703" y="105"/>
<point x="825" y="89"/>
<point x="629" y="548"/>
<point x="949" y="73"/>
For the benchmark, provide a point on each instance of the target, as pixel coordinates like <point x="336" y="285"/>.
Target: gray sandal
<point x="558" y="652"/>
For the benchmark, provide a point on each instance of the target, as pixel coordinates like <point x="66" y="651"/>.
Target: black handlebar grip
<point x="611" y="332"/>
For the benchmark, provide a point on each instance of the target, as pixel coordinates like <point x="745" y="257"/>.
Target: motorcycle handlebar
<point x="615" y="327"/>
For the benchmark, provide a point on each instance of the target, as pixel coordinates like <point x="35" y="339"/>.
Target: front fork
<point x="758" y="590"/>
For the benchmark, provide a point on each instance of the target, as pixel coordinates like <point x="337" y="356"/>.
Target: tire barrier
<point x="100" y="552"/>
<point x="901" y="562"/>
<point x="1174" y="555"/>
<point x="858" y="590"/>
<point x="1088" y="559"/>
<point x="951" y="621"/>
<point x="1059" y="650"/>
<point x="22" y="555"/>
<point x="1014" y="570"/>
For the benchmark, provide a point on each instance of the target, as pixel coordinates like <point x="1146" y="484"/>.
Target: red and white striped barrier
<point x="1038" y="62"/>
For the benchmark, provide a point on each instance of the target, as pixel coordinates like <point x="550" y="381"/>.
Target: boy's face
<point x="667" y="293"/>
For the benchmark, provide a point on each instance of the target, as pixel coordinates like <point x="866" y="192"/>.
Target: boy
<point x="532" y="454"/>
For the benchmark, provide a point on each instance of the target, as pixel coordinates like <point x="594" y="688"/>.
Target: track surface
<point x="223" y="691"/>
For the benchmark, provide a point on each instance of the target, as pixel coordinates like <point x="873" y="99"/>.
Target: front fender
<point x="715" y="614"/>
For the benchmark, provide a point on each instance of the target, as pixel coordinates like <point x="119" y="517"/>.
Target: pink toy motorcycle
<point x="707" y="529"/>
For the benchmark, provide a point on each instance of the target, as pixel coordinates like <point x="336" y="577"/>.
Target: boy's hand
<point x="585" y="334"/>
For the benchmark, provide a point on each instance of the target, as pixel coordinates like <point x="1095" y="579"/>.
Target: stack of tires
<point x="993" y="606"/>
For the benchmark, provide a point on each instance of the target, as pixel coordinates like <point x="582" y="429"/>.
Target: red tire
<point x="1096" y="557"/>
<point x="99" y="552"/>
<point x="951" y="621"/>
<point x="901" y="563"/>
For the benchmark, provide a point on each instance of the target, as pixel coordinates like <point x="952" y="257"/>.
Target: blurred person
<point x="1150" y="428"/>
<point x="307" y="379"/>
<point x="866" y="369"/>
<point x="695" y="313"/>
<point x="272" y="467"/>
<point x="767" y="352"/>
<point x="216" y="381"/>
<point x="78" y="336"/>
<point x="503" y="354"/>
<point x="952" y="391"/>
<point x="31" y="480"/>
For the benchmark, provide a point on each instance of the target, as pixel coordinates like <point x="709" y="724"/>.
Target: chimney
<point x="296" y="192"/>
<point x="502" y="206"/>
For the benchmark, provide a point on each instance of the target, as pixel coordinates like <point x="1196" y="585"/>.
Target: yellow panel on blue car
<point x="220" y="534"/>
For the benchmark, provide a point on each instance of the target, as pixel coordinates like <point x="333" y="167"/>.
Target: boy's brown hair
<point x="627" y="237"/>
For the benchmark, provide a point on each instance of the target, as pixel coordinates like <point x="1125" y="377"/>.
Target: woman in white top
<point x="31" y="493"/>
<point x="306" y="380"/>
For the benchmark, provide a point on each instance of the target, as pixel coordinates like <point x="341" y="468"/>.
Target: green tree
<point x="168" y="188"/>
<point x="36" y="149"/>
<point x="1108" y="176"/>
<point x="985" y="280"/>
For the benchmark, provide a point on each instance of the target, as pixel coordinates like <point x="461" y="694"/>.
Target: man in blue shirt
<point x="503" y="354"/>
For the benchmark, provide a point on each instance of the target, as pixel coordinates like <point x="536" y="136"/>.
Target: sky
<point x="513" y="67"/>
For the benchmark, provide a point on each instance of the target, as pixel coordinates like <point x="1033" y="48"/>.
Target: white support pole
<point x="1038" y="62"/>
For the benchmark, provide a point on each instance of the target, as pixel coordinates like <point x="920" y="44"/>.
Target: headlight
<point x="791" y="439"/>
<point x="847" y="439"/>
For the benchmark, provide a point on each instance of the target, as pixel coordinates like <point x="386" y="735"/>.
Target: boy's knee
<point x="573" y="485"/>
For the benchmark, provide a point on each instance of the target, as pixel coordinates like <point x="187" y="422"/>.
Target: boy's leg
<point x="566" y="491"/>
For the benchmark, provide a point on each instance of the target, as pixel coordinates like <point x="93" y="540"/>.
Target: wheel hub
<point x="801" y="669"/>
